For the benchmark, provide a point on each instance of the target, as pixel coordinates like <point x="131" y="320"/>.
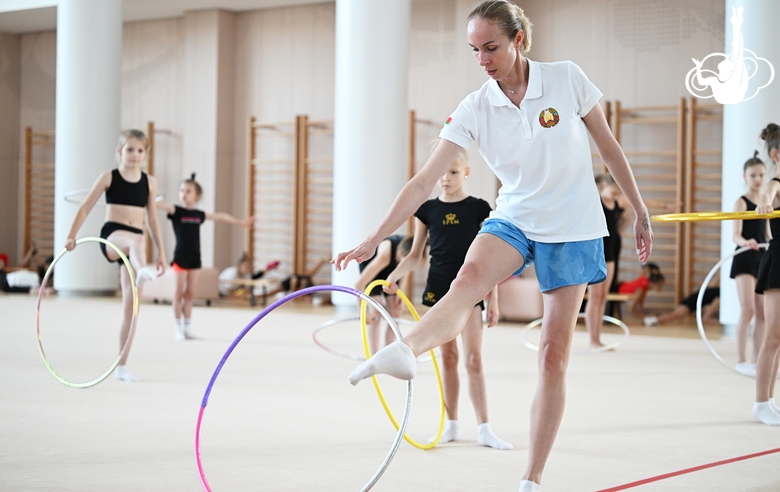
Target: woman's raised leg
<point x="561" y="307"/>
<point x="481" y="272"/>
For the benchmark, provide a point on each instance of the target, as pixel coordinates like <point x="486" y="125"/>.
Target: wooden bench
<point x="616" y="298"/>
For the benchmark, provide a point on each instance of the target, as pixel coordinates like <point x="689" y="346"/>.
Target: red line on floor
<point x="688" y="470"/>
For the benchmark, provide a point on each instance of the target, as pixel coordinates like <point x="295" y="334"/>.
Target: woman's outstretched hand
<point x="643" y="233"/>
<point x="362" y="253"/>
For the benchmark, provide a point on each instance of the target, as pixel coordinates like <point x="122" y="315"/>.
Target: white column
<point x="89" y="67"/>
<point x="371" y="118"/>
<point x="742" y="124"/>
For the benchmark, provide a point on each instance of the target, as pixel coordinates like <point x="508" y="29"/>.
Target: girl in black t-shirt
<point x="186" y="222"/>
<point x="453" y="220"/>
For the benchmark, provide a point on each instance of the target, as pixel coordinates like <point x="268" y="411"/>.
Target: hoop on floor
<point x="700" y="300"/>
<point x="130" y="334"/>
<point x="309" y="290"/>
<point x="598" y="350"/>
<point x="69" y="197"/>
<point x="374" y="379"/>
<point x="707" y="216"/>
<point x="358" y="358"/>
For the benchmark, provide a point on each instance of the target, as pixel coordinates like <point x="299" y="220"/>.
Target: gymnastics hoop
<point x="264" y="313"/>
<point x="374" y="379"/>
<point x="700" y="300"/>
<point x="69" y="196"/>
<point x="358" y="358"/>
<point x="132" y="321"/>
<point x="707" y="216"/>
<point x="599" y="350"/>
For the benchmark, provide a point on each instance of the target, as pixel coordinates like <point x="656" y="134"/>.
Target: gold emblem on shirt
<point x="430" y="297"/>
<point x="450" y="219"/>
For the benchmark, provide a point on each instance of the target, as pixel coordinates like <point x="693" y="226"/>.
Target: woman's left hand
<point x="643" y="234"/>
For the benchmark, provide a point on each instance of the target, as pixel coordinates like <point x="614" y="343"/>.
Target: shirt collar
<point x="498" y="98"/>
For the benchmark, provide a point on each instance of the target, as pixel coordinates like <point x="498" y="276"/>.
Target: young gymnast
<point x="768" y="283"/>
<point x="744" y="267"/>
<point x="388" y="254"/>
<point x="129" y="192"/>
<point x="710" y="302"/>
<point x="650" y="278"/>
<point x="614" y="204"/>
<point x="186" y="263"/>
<point x="453" y="221"/>
<point x="548" y="210"/>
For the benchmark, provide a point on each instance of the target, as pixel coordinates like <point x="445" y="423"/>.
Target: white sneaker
<point x="188" y="334"/>
<point x="746" y="368"/>
<point x="650" y="321"/>
<point x="178" y="334"/>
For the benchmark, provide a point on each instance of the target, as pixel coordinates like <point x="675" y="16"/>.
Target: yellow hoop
<point x="378" y="388"/>
<point x="706" y="216"/>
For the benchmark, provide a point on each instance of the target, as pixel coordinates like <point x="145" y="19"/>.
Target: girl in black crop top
<point x="744" y="266"/>
<point x="765" y="409"/>
<point x="129" y="196"/>
<point x="186" y="262"/>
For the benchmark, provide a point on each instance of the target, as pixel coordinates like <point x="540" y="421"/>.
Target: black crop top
<point x="122" y="192"/>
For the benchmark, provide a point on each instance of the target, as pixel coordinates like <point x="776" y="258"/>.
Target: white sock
<point x="745" y="368"/>
<point x="529" y="486"/>
<point x="396" y="360"/>
<point x="485" y="437"/>
<point x="763" y="412"/>
<point x="774" y="406"/>
<point x="178" y="334"/>
<point x="188" y="329"/>
<point x="121" y="373"/>
<point x="144" y="275"/>
<point x="450" y="433"/>
<point x="650" y="321"/>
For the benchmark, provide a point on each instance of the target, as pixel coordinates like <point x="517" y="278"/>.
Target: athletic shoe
<point x="650" y="321"/>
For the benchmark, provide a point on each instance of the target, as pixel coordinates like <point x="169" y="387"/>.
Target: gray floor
<point x="283" y="417"/>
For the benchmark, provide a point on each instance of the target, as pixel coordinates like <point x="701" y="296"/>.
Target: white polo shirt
<point x="539" y="152"/>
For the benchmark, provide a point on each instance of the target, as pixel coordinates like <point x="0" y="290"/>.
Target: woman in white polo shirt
<point x="531" y="122"/>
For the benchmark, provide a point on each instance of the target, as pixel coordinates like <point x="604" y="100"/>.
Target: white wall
<point x="283" y="59"/>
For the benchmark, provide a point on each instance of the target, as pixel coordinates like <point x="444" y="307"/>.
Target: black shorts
<point x="769" y="270"/>
<point x="611" y="248"/>
<point x="710" y="294"/>
<point x="435" y="290"/>
<point x="746" y="263"/>
<point x="110" y="227"/>
<point x="187" y="261"/>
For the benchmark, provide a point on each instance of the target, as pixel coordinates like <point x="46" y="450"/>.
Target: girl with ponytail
<point x="186" y="221"/>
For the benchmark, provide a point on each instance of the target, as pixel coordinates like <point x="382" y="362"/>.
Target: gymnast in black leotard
<point x="744" y="266"/>
<point x="129" y="197"/>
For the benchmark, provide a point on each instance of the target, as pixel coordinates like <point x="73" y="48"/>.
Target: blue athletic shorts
<point x="557" y="264"/>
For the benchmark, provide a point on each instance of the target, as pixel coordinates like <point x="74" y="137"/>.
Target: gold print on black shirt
<point x="430" y="297"/>
<point x="450" y="219"/>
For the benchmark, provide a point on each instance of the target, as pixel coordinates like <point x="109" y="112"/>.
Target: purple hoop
<point x="263" y="313"/>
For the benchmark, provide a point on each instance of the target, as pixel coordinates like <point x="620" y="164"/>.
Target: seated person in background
<point x="650" y="278"/>
<point x="19" y="279"/>
<point x="688" y="305"/>
<point x="243" y="269"/>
